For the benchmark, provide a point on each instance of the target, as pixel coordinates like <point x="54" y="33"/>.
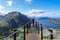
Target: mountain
<point x="43" y="18"/>
<point x="55" y="20"/>
<point x="1" y="17"/>
<point x="14" y="19"/>
<point x="49" y="19"/>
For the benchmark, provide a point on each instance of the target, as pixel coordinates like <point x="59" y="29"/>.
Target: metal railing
<point x="16" y="31"/>
<point x="53" y="36"/>
<point x="26" y="29"/>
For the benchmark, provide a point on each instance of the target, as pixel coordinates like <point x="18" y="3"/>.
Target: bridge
<point x="32" y="30"/>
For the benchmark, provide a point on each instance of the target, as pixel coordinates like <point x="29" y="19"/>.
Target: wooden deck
<point x="31" y="31"/>
<point x="33" y="35"/>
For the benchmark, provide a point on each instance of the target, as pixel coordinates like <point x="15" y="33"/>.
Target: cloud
<point x="28" y="1"/>
<point x="1" y="7"/>
<point x="2" y="11"/>
<point x="53" y="15"/>
<point x="34" y="13"/>
<point x="9" y="2"/>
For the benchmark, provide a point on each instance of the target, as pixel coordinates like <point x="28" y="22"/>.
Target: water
<point x="50" y="24"/>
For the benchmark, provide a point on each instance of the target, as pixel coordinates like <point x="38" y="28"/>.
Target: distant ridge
<point x="1" y="17"/>
<point x="43" y="18"/>
<point x="49" y="19"/>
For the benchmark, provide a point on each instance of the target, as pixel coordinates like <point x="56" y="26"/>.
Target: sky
<point x="31" y="8"/>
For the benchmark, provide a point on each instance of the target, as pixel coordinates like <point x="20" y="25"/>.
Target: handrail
<point x="48" y="30"/>
<point x="42" y="30"/>
<point x="16" y="31"/>
<point x="38" y="22"/>
<point x="44" y="27"/>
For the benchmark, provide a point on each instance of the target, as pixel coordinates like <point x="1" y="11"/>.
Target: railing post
<point x="41" y="32"/>
<point x="33" y="22"/>
<point x="38" y="28"/>
<point x="14" y="35"/>
<point x="24" y="33"/>
<point x="27" y="28"/>
<point x="36" y="24"/>
<point x="51" y="36"/>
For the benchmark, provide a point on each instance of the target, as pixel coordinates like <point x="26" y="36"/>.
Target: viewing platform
<point x="33" y="30"/>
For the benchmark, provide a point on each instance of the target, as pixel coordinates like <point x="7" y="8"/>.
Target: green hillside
<point x="11" y="21"/>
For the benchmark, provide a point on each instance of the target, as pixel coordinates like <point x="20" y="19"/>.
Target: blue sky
<point x="50" y="8"/>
